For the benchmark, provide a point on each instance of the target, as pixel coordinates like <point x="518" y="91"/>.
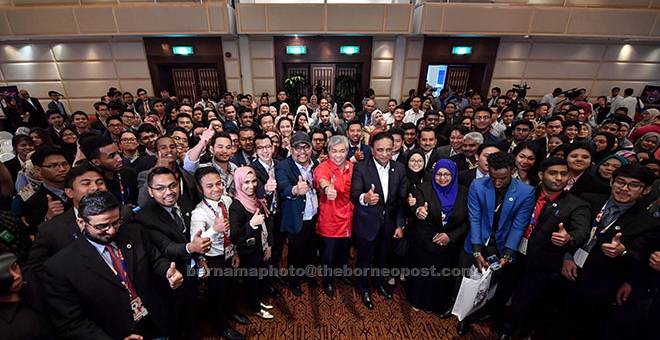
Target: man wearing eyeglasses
<point x="49" y="200"/>
<point x="166" y="220"/>
<point x="103" y="285"/>
<point x="623" y="236"/>
<point x="299" y="202"/>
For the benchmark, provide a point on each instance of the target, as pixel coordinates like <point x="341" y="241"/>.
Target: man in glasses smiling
<point x="103" y="285"/>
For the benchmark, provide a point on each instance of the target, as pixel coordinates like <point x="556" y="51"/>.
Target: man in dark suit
<point x="357" y="151"/>
<point x="55" y="103"/>
<point x="56" y="122"/>
<point x="520" y="131"/>
<point x="166" y="220"/>
<point x="378" y="190"/>
<point x="23" y="146"/>
<point x="49" y="200"/>
<point x="559" y="223"/>
<point x="144" y="105"/>
<point x="624" y="234"/>
<point x="467" y="159"/>
<point x="299" y="202"/>
<point x="466" y="177"/>
<point x="102" y="285"/>
<point x="33" y="107"/>
<point x="245" y="154"/>
<point x="455" y="146"/>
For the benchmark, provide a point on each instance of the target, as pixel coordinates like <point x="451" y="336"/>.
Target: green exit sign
<point x="183" y="50"/>
<point x="349" y="50"/>
<point x="461" y="50"/>
<point x="296" y="50"/>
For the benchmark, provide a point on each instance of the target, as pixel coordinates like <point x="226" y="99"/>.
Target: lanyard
<point x="123" y="275"/>
<point x="122" y="193"/>
<point x="225" y="236"/>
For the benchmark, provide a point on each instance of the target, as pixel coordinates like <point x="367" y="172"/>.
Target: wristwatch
<point x="476" y="254"/>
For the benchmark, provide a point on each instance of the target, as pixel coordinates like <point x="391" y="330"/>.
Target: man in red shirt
<point x="333" y="179"/>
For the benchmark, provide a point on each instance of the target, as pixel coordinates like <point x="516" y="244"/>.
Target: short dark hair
<point x="20" y="138"/>
<point x="160" y="170"/>
<point x="408" y="126"/>
<point x="636" y="171"/>
<point x="529" y="124"/>
<point x="500" y="160"/>
<point x="482" y="146"/>
<point x="430" y="113"/>
<point x="96" y="203"/>
<point x="265" y="115"/>
<point x="379" y="136"/>
<point x="611" y="121"/>
<point x="554" y="118"/>
<point x="39" y="156"/>
<point x="628" y="92"/>
<point x="53" y="112"/>
<point x="427" y="129"/>
<point x="219" y="135"/>
<point x="90" y="146"/>
<point x="183" y="115"/>
<point x="115" y="117"/>
<point x="461" y="129"/>
<point x="261" y="136"/>
<point x="78" y="171"/>
<point x="550" y="162"/>
<point x="97" y="105"/>
<point x="146" y="128"/>
<point x="203" y="171"/>
<point x="396" y="131"/>
<point x="353" y="122"/>
<point x="79" y="113"/>
<point x="131" y="132"/>
<point x="579" y="145"/>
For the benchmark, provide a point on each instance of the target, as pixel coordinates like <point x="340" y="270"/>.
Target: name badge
<point x="139" y="310"/>
<point x="580" y="257"/>
<point x="522" y="248"/>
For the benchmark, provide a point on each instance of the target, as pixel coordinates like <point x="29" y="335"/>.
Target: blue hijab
<point x="446" y="195"/>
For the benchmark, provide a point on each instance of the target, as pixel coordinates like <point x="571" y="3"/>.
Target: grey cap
<point x="300" y="137"/>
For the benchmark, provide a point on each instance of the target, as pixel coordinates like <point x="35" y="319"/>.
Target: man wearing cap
<point x="299" y="203"/>
<point x="55" y="104"/>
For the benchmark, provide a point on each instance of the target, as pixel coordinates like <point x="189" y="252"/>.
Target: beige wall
<point x="81" y="70"/>
<point x="596" y="66"/>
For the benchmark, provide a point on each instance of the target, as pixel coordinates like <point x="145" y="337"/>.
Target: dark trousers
<point x="222" y="300"/>
<point x="637" y="318"/>
<point x="334" y="253"/>
<point x="278" y="241"/>
<point x="302" y="248"/>
<point x="372" y="254"/>
<point x="254" y="286"/>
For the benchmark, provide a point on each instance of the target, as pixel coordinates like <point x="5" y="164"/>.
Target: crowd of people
<point x="115" y="224"/>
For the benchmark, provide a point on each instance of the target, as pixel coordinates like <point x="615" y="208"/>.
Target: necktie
<point x="225" y="235"/>
<point x="146" y="107"/>
<point x="177" y="218"/>
<point x="118" y="265"/>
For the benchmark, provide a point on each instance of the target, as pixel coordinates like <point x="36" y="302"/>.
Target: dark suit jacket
<point x="129" y="182"/>
<point x="19" y="321"/>
<point x="421" y="232"/>
<point x="36" y="207"/>
<point x="53" y="106"/>
<point x="601" y="276"/>
<point x="587" y="184"/>
<point x="390" y="214"/>
<point x="466" y="177"/>
<point x="286" y="174"/>
<point x="575" y="213"/>
<point x="241" y="231"/>
<point x="164" y="232"/>
<point x="262" y="177"/>
<point x="239" y="159"/>
<point x="88" y="301"/>
<point x="52" y="236"/>
<point x="37" y="113"/>
<point x="99" y="126"/>
<point x="363" y="147"/>
<point x="14" y="166"/>
<point x="461" y="163"/>
<point x="139" y="106"/>
<point x="189" y="187"/>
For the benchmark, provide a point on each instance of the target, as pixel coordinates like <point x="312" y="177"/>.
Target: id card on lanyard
<point x="138" y="308"/>
<point x="580" y="256"/>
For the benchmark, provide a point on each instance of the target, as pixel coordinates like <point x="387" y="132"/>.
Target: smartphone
<point x="494" y="262"/>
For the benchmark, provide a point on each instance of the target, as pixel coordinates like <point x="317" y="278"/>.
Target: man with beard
<point x="113" y="297"/>
<point x="121" y="181"/>
<point x="467" y="159"/>
<point x="49" y="200"/>
<point x="520" y="131"/>
<point x="245" y="155"/>
<point x="167" y="156"/>
<point x="357" y="151"/>
<point x="221" y="147"/>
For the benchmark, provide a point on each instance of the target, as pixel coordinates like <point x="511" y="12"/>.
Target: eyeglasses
<point x="128" y="140"/>
<point x="631" y="185"/>
<point x="443" y="174"/>
<point x="482" y="118"/>
<point x="302" y="147"/>
<point x="104" y="227"/>
<point x="264" y="147"/>
<point x="63" y="165"/>
<point x="161" y="188"/>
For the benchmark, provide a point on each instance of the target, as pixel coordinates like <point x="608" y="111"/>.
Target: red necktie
<point x="225" y="238"/>
<point x="118" y="265"/>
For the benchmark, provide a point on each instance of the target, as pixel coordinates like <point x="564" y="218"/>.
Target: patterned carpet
<point x="315" y="316"/>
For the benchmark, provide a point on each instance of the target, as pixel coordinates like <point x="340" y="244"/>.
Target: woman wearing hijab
<point x="604" y="145"/>
<point x="648" y="143"/>
<point x="436" y="235"/>
<point x="415" y="165"/>
<point x="603" y="171"/>
<point x="313" y="105"/>
<point x="250" y="226"/>
<point x="69" y="143"/>
<point x="648" y="117"/>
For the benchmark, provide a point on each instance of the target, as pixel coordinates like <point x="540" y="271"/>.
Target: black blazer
<point x="53" y="106"/>
<point x="52" y="236"/>
<point x="14" y="166"/>
<point x="587" y="184"/>
<point x="461" y="163"/>
<point x="88" y="301"/>
<point x="241" y="231"/>
<point x="165" y="233"/>
<point x="262" y="177"/>
<point x="575" y="213"/>
<point x="189" y="187"/>
<point x="368" y="220"/>
<point x="36" y="110"/>
<point x="601" y="276"/>
<point x="466" y="177"/>
<point x="421" y="232"/>
<point x="36" y="207"/>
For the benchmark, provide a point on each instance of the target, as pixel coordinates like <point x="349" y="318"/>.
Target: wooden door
<point x="457" y="77"/>
<point x="190" y="81"/>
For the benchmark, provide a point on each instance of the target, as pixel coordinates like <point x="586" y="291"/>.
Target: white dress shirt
<point x="383" y="178"/>
<point x="203" y="218"/>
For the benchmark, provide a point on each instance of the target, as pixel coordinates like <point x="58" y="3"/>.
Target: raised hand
<point x="174" y="277"/>
<point x="359" y="155"/>
<point x="220" y="225"/>
<point x="330" y="190"/>
<point x="614" y="248"/>
<point x="271" y="183"/>
<point x="411" y="200"/>
<point x="207" y="135"/>
<point x="301" y="187"/>
<point x="199" y="244"/>
<point x="257" y="219"/>
<point x="560" y="237"/>
<point x="371" y="197"/>
<point x="423" y="211"/>
<point x="55" y="207"/>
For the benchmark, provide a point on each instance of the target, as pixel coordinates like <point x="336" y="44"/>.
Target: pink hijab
<point x="251" y="203"/>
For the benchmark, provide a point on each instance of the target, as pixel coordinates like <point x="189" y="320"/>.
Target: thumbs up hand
<point x="560" y="237"/>
<point x="614" y="248"/>
<point x="55" y="207"/>
<point x="371" y="197"/>
<point x="271" y="183"/>
<point x="330" y="190"/>
<point x="207" y="135"/>
<point x="257" y="220"/>
<point x="220" y="225"/>
<point x="423" y="211"/>
<point x="301" y="188"/>
<point x="174" y="277"/>
<point x="359" y="155"/>
<point x="199" y="244"/>
<point x="411" y="200"/>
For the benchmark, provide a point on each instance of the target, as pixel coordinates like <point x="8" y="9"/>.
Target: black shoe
<point x="384" y="292"/>
<point x="295" y="290"/>
<point x="328" y="290"/>
<point x="231" y="334"/>
<point x="366" y="299"/>
<point x="505" y="336"/>
<point x="462" y="327"/>
<point x="273" y="292"/>
<point x="241" y="319"/>
<point x="446" y="314"/>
